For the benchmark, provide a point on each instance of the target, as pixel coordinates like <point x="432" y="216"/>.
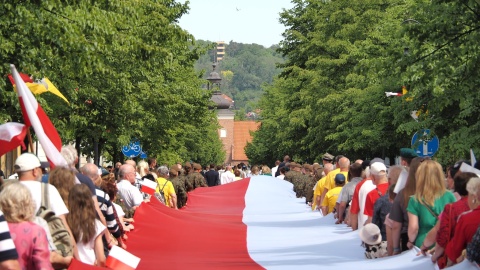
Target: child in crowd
<point x="372" y="241"/>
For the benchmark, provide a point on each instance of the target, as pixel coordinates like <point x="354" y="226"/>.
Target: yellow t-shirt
<point x="330" y="182"/>
<point x="331" y="198"/>
<point x="320" y="185"/>
<point x="318" y="191"/>
<point x="168" y="190"/>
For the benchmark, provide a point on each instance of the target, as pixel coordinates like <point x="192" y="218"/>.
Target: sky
<point x="243" y="21"/>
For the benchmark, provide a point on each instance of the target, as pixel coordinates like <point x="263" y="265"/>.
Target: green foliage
<point x="125" y="66"/>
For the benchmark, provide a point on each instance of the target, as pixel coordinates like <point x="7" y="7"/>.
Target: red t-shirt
<point x="373" y="196"/>
<point x="355" y="205"/>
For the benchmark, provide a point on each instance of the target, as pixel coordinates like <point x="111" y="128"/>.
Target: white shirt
<point x="86" y="252"/>
<point x="56" y="203"/>
<point x="280" y="176"/>
<point x="119" y="210"/>
<point x="130" y="194"/>
<point x="227" y="177"/>
<point x="362" y="196"/>
<point x="274" y="170"/>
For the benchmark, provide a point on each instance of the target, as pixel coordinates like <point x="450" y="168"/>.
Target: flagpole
<point x="30" y="143"/>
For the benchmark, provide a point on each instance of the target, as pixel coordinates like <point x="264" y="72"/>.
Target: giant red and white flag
<point x="255" y="223"/>
<point x="11" y="136"/>
<point x="34" y="116"/>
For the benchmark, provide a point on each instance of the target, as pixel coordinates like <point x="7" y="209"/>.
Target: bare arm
<point x="396" y="231"/>
<point x="389" y="240"/>
<point x="173" y="199"/>
<point x="10" y="265"/>
<point x="412" y="229"/>
<point x="354" y="221"/>
<point x="341" y="210"/>
<point x="99" y="253"/>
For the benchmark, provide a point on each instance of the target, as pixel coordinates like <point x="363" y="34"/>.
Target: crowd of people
<point x="83" y="213"/>
<point x="395" y="208"/>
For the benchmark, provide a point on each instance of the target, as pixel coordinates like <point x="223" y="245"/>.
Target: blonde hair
<point x="142" y="166"/>
<point x="473" y="187"/>
<point x="17" y="203"/>
<point x="266" y="170"/>
<point x="430" y="182"/>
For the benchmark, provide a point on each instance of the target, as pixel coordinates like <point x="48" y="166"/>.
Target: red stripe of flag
<point x="34" y="116"/>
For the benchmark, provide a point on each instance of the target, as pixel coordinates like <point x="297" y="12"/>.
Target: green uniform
<point x="179" y="186"/>
<point x="195" y="180"/>
<point x="310" y="182"/>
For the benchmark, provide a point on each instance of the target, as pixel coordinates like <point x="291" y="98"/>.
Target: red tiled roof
<point x="241" y="135"/>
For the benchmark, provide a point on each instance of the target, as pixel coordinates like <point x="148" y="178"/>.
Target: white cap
<point x="26" y="162"/>
<point x="377" y="167"/>
<point x="370" y="234"/>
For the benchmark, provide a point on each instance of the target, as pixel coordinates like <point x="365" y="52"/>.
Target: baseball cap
<point x="377" y="167"/>
<point x="370" y="234"/>
<point x="26" y="162"/>
<point x="339" y="179"/>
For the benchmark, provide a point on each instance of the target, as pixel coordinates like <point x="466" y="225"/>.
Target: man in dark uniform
<point x="212" y="176"/>
<point x="195" y="179"/>
<point x="179" y="186"/>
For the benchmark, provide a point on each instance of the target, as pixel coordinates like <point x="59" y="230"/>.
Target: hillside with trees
<point x="245" y="70"/>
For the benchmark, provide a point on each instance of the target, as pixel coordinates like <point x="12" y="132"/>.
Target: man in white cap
<point x="29" y="171"/>
<point x="378" y="171"/>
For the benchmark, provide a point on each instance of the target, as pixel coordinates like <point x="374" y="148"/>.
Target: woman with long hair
<point x="398" y="214"/>
<point x="63" y="179"/>
<point x="86" y="228"/>
<point x="428" y="202"/>
<point x="443" y="232"/>
<point x="30" y="239"/>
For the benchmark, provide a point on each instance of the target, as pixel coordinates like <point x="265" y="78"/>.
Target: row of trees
<point x="344" y="55"/>
<point x="127" y="69"/>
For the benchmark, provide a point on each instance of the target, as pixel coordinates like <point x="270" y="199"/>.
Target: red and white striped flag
<point x="148" y="187"/>
<point x="11" y="136"/>
<point x="254" y="223"/>
<point x="120" y="259"/>
<point x="34" y="116"/>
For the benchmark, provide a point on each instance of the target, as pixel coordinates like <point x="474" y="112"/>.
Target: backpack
<point x="161" y="195"/>
<point x="60" y="236"/>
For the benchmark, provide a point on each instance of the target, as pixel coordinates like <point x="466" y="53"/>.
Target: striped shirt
<point x="107" y="210"/>
<point x="7" y="247"/>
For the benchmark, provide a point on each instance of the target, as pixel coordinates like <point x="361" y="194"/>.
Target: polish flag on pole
<point x="11" y="136"/>
<point x="120" y="259"/>
<point x="148" y="187"/>
<point x="34" y="116"/>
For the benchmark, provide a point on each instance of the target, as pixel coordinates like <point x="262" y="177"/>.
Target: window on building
<point x="223" y="133"/>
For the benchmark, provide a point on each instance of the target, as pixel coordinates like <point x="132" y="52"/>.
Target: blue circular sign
<point x="424" y="143"/>
<point x="133" y="149"/>
<point x="143" y="155"/>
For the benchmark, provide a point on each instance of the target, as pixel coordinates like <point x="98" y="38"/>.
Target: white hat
<point x="377" y="167"/>
<point x="370" y="234"/>
<point x="26" y="162"/>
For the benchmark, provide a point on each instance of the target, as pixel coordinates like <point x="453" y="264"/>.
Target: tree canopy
<point x="127" y="69"/>
<point x="342" y="56"/>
